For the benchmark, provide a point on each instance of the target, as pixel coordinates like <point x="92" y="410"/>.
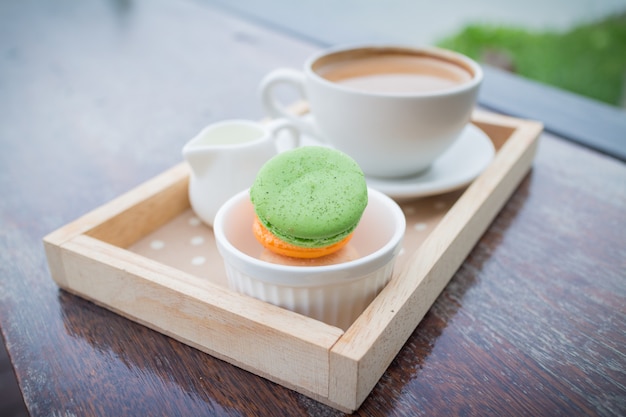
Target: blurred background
<point x="576" y="45"/>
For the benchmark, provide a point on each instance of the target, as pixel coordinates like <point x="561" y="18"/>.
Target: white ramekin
<point x="335" y="294"/>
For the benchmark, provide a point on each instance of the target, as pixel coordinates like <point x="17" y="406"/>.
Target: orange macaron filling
<point x="276" y="245"/>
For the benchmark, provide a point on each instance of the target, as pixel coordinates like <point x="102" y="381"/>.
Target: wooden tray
<point x="114" y="256"/>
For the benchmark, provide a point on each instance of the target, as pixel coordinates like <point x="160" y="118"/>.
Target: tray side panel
<point x="155" y="204"/>
<point x="281" y="346"/>
<point x="162" y="188"/>
<point x="361" y="356"/>
<point x="54" y="256"/>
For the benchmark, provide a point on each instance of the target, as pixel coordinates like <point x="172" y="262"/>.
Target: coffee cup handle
<point x="276" y="125"/>
<point x="295" y="79"/>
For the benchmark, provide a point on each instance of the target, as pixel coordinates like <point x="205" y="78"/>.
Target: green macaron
<point x="310" y="197"/>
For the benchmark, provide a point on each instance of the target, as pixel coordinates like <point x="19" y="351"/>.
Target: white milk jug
<point x="226" y="156"/>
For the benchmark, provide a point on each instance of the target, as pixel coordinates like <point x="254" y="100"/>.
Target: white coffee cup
<point x="393" y="109"/>
<point x="225" y="157"/>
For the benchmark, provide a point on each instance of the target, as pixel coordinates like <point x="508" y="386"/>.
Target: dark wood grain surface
<point x="96" y="97"/>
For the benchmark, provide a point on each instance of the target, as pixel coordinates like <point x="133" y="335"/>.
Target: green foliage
<point x="589" y="60"/>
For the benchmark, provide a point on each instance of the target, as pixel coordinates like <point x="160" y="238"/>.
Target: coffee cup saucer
<point x="459" y="165"/>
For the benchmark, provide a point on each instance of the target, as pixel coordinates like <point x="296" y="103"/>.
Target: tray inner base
<point x="187" y="244"/>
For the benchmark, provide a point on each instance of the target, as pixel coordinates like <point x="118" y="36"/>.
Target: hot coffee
<point x="392" y="72"/>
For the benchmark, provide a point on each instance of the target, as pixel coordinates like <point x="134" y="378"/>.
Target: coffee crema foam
<point x="393" y="73"/>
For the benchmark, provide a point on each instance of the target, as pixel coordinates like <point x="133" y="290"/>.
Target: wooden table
<point x="97" y="97"/>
